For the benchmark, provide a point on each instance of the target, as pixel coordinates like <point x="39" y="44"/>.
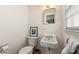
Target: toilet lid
<point x="26" y="50"/>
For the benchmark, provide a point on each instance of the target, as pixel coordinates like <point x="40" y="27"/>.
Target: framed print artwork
<point x="33" y="31"/>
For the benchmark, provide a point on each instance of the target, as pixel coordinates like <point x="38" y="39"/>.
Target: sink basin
<point x="49" y="41"/>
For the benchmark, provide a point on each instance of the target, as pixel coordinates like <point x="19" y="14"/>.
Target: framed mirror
<point x="49" y="16"/>
<point x="72" y="17"/>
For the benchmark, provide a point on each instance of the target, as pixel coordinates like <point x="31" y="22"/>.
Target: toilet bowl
<point x="32" y="42"/>
<point x="26" y="50"/>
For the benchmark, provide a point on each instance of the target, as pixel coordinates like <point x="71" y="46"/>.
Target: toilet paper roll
<point x="5" y="47"/>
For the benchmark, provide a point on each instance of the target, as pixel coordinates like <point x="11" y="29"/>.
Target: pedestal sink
<point x="49" y="41"/>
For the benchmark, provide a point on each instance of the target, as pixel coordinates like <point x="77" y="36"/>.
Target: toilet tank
<point x="32" y="41"/>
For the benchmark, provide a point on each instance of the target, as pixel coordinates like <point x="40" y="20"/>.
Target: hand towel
<point x="71" y="46"/>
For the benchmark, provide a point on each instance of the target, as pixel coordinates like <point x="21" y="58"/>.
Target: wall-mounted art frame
<point x="34" y="31"/>
<point x="49" y="16"/>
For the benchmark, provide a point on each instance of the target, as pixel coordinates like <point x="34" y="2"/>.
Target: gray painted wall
<point x="36" y="19"/>
<point x="13" y="27"/>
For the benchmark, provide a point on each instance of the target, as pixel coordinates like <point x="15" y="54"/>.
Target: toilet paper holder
<point x="3" y="47"/>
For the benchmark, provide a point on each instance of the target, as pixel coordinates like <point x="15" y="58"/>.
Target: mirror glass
<point x="72" y="17"/>
<point x="49" y="16"/>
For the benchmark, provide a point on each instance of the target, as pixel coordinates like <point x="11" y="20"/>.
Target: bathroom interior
<point x="39" y="29"/>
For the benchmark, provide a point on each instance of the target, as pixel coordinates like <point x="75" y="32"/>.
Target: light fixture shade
<point x="48" y="6"/>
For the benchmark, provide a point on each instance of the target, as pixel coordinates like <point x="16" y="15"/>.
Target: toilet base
<point x="36" y="51"/>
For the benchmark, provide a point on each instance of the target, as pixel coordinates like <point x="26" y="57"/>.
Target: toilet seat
<point x="26" y="50"/>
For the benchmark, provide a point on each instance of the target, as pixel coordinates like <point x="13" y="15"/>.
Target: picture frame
<point x="34" y="31"/>
<point x="49" y="16"/>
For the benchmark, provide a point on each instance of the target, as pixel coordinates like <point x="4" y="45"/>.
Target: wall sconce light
<point x="50" y="6"/>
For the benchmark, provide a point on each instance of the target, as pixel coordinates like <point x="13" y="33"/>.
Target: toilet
<point x="32" y="42"/>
